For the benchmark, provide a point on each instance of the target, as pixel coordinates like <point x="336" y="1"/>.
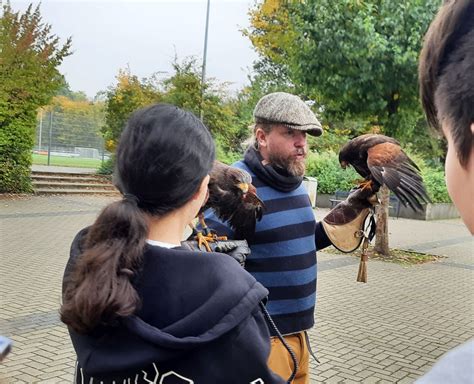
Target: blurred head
<point x="446" y="75"/>
<point x="163" y="155"/>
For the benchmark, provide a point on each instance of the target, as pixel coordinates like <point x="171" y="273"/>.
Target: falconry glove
<point x="237" y="249"/>
<point x="344" y="224"/>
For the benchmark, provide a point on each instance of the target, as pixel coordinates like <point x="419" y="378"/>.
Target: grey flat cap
<point x="290" y="110"/>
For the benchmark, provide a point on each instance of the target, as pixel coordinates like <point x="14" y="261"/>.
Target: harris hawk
<point x="380" y="160"/>
<point x="234" y="199"/>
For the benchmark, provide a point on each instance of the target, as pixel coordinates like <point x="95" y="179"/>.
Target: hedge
<point x="16" y="141"/>
<point x="331" y="177"/>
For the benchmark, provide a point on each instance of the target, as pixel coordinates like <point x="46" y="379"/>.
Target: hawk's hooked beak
<point x="244" y="187"/>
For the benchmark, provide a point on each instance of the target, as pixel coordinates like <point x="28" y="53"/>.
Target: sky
<point x="108" y="35"/>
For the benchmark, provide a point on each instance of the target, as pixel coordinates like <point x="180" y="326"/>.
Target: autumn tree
<point x="183" y="89"/>
<point x="76" y="120"/>
<point x="29" y="57"/>
<point x="356" y="59"/>
<point x="129" y="94"/>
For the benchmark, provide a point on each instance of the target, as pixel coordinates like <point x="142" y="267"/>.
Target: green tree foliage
<point x="183" y="89"/>
<point x="129" y="94"/>
<point x="356" y="59"/>
<point x="66" y="91"/>
<point x="29" y="57"/>
<point x="362" y="56"/>
<point x="76" y="121"/>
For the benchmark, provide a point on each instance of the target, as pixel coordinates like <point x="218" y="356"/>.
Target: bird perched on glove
<point x="381" y="161"/>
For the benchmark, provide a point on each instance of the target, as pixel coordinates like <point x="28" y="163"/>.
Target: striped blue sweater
<point x="283" y="254"/>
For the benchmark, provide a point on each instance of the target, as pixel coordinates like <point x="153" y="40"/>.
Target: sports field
<point x="64" y="161"/>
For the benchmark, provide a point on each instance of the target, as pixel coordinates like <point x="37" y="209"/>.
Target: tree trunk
<point x="381" y="239"/>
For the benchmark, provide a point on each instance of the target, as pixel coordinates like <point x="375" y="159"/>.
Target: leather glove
<point x="344" y="224"/>
<point x="237" y="249"/>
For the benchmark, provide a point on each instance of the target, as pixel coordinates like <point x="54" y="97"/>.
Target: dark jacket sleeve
<point x="250" y="351"/>
<point x="322" y="240"/>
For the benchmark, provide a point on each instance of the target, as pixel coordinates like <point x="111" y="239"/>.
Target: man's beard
<point x="293" y="166"/>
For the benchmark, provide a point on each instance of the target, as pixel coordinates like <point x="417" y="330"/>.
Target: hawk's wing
<point x="389" y="165"/>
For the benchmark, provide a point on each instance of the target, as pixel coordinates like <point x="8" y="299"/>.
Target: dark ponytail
<point x="99" y="290"/>
<point x="163" y="155"/>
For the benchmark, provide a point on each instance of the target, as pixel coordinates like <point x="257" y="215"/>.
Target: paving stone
<point x="392" y="329"/>
<point x="406" y="380"/>
<point x="371" y="380"/>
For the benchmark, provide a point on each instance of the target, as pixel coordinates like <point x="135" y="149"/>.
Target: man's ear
<point x="261" y="137"/>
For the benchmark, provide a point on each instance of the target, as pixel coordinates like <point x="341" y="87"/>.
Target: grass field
<point x="63" y="161"/>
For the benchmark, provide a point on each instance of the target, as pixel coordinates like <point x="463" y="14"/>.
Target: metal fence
<point x="69" y="138"/>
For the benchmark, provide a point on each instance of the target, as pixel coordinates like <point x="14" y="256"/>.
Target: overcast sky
<point x="146" y="35"/>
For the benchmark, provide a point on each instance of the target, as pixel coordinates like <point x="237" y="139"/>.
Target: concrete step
<point x="70" y="179"/>
<point x="51" y="182"/>
<point x="60" y="191"/>
<point x="73" y="185"/>
<point x="68" y="174"/>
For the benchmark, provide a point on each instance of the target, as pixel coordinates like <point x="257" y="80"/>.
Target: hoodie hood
<point x="189" y="300"/>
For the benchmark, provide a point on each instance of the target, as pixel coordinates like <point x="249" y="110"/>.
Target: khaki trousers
<point x="280" y="360"/>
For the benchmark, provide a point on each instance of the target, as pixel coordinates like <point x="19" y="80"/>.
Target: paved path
<point x="389" y="330"/>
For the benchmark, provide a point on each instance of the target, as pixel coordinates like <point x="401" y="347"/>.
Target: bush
<point x="16" y="141"/>
<point x="331" y="177"/>
<point x="107" y="167"/>
<point x="436" y="185"/>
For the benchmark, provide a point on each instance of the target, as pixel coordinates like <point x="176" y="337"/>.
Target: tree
<point x="362" y="58"/>
<point x="76" y="121"/>
<point x="129" y="94"/>
<point x="357" y="59"/>
<point x="183" y="89"/>
<point x="29" y="57"/>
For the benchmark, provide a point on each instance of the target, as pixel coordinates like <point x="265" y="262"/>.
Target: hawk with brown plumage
<point x="380" y="161"/>
<point x="234" y="199"/>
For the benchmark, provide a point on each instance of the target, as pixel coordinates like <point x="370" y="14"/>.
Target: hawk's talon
<point x="366" y="185"/>
<point x="206" y="239"/>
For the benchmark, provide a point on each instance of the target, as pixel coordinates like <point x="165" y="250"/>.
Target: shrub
<point x="107" y="167"/>
<point x="331" y="177"/>
<point x="16" y="141"/>
<point x="435" y="185"/>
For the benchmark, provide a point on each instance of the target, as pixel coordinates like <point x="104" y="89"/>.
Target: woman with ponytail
<point x="141" y="309"/>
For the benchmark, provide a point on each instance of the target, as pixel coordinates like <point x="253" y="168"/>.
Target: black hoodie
<point x="199" y="322"/>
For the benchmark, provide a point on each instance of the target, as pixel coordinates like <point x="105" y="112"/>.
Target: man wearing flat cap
<point x="283" y="248"/>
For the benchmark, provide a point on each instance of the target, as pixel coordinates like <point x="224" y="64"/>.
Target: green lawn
<point x="63" y="161"/>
